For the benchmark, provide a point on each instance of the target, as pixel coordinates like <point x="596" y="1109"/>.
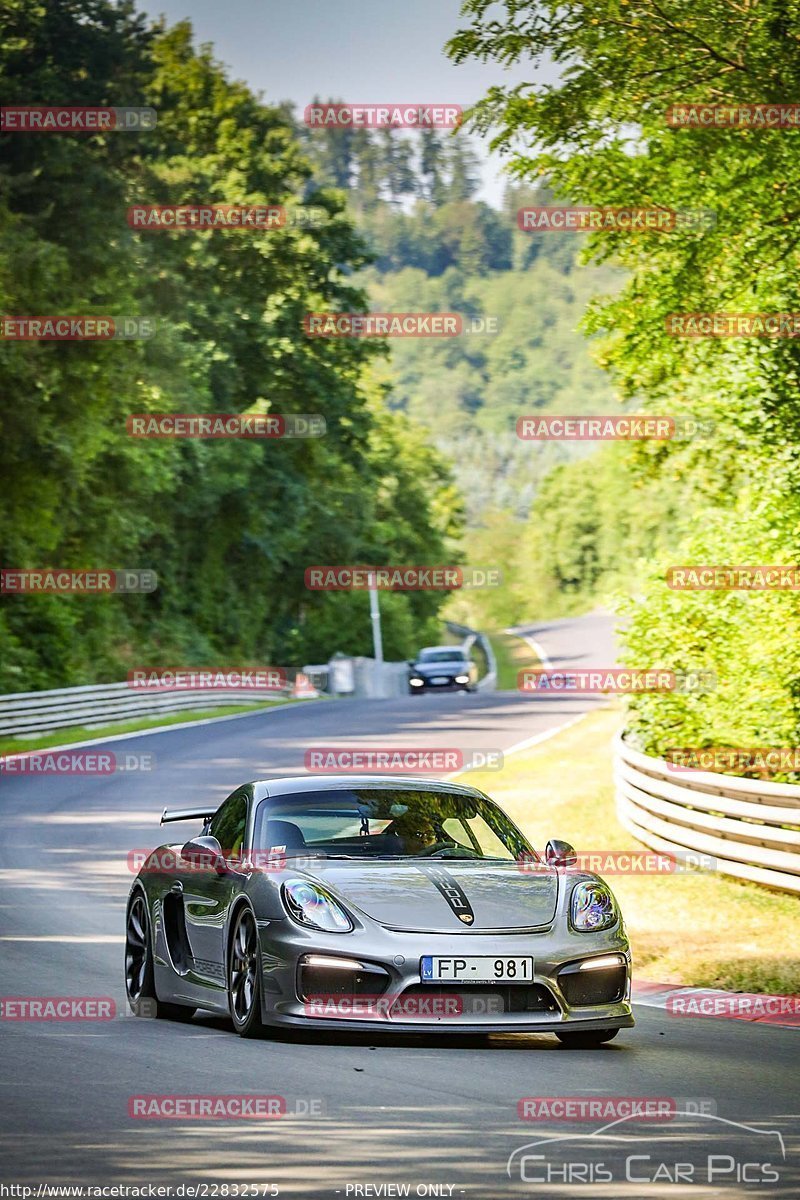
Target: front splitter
<point x="456" y="1028"/>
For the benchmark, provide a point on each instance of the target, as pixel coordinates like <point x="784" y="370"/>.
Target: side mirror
<point x="204" y="851"/>
<point x="560" y="854"/>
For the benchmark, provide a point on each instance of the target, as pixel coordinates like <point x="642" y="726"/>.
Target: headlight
<point x="462" y="678"/>
<point x="311" y="906"/>
<point x="416" y="681"/>
<point x="592" y="907"/>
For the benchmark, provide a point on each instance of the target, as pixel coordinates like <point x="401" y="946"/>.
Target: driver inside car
<point x="419" y="833"/>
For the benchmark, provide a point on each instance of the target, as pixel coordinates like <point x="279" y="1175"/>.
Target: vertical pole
<point x="375" y="617"/>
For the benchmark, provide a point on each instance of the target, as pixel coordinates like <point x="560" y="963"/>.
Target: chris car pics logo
<point x="690" y="1152"/>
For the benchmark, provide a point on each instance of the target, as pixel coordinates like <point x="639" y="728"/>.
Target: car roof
<point x="459" y="650"/>
<point x="291" y="784"/>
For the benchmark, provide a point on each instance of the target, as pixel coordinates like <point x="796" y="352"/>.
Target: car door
<point x="209" y="891"/>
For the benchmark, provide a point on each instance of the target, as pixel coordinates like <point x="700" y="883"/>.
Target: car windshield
<point x="440" y="656"/>
<point x="387" y="823"/>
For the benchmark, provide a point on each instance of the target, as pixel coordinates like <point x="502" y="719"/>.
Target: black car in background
<point x="437" y="668"/>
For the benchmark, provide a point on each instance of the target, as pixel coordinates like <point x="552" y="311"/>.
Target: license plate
<point x="476" y="969"/>
<point x="440" y="679"/>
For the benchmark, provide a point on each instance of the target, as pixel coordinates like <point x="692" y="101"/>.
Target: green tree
<point x="463" y="170"/>
<point x="229" y="526"/>
<point x="600" y="135"/>
<point x="433" y="166"/>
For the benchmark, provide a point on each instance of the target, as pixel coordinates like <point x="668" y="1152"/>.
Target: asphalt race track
<point x="366" y="1116"/>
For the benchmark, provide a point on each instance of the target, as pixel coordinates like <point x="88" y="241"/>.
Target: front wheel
<point x="244" y="976"/>
<point x="586" y="1039"/>
<point x="140" y="985"/>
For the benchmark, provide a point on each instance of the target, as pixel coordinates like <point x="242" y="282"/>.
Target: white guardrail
<point x="470" y="638"/>
<point x="29" y="713"/>
<point x="751" y="828"/>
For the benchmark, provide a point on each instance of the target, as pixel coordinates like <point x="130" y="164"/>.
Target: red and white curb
<point x="680" y="1001"/>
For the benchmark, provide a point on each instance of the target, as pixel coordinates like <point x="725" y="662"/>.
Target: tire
<point x="244" y="975"/>
<point x="586" y="1039"/>
<point x="140" y="985"/>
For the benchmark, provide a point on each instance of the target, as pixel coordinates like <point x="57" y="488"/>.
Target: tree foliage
<point x="229" y="526"/>
<point x="599" y="135"/>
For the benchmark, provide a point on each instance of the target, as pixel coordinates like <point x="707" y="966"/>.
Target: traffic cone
<point x="304" y="688"/>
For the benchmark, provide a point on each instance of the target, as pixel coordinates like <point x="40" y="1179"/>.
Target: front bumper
<point x="398" y="953"/>
<point x="450" y="686"/>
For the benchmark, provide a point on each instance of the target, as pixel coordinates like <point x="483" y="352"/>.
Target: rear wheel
<point x="586" y="1039"/>
<point x="244" y="976"/>
<point x="139" y="975"/>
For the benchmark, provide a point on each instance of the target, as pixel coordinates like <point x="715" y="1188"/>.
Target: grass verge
<point x="62" y="737"/>
<point x="513" y="655"/>
<point x="695" y="929"/>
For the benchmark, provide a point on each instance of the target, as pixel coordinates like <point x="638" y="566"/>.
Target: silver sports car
<point x="375" y="903"/>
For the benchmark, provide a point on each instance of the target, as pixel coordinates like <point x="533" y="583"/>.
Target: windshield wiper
<point x="336" y="857"/>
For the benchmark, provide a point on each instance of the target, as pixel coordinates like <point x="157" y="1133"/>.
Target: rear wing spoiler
<point x="187" y="814"/>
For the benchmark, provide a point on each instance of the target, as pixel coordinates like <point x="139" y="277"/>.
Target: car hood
<point x="440" y="895"/>
<point x="453" y="666"/>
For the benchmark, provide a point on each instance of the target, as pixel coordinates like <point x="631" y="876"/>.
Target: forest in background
<point x="437" y="247"/>
<point x="229" y="526"/>
<point x="420" y="463"/>
<point x="569" y="524"/>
